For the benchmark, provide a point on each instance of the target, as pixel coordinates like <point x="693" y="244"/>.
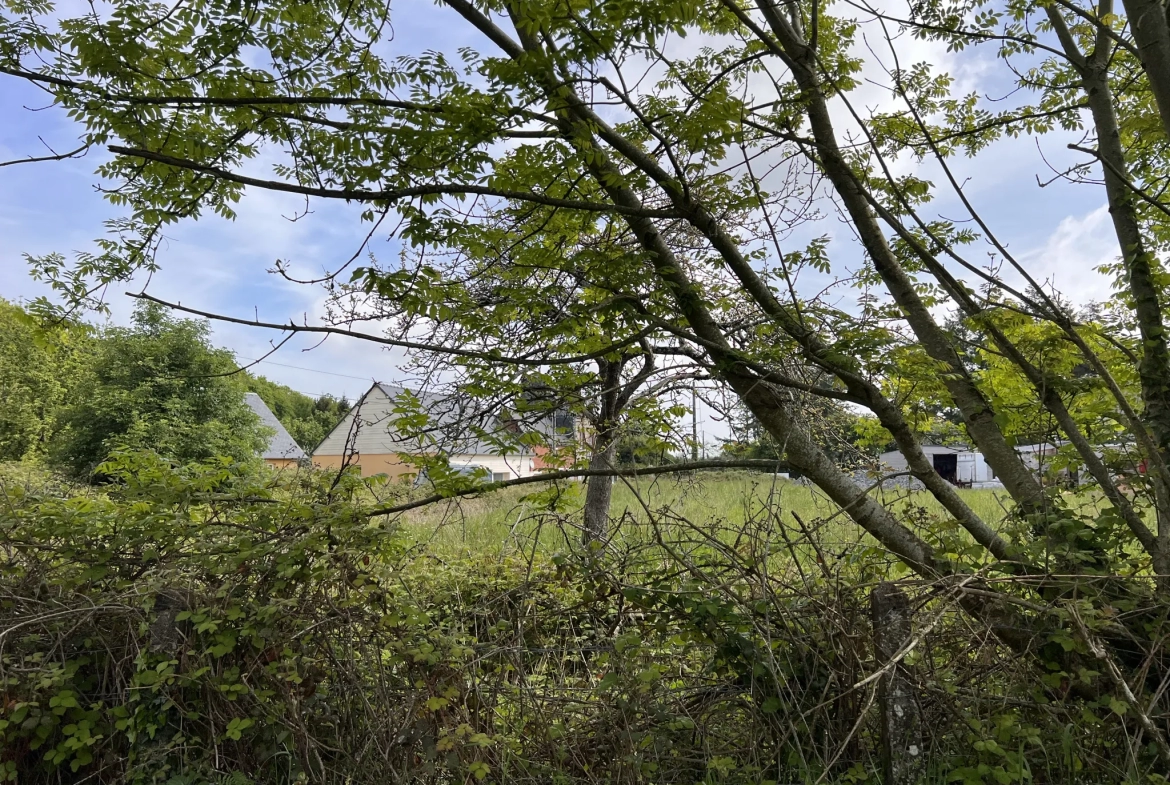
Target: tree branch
<point x="1138" y="192"/>
<point x="55" y="157"/>
<point x="422" y="347"/>
<point x="570" y="474"/>
<point x="391" y="195"/>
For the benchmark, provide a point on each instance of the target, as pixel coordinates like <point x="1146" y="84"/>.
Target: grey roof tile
<point x="281" y="445"/>
<point x="453" y="424"/>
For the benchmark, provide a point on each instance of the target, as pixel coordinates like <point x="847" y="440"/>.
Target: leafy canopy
<point x="160" y="385"/>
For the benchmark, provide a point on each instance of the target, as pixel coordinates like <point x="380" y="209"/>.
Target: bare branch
<point x="79" y="152"/>
<point x="290" y="326"/>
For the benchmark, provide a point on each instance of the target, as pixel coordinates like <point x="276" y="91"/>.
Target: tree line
<point x="72" y="392"/>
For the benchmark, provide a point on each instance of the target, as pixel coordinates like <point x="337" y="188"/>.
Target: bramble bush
<point x="211" y="623"/>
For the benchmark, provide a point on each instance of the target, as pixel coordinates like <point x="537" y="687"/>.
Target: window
<point x="564" y="421"/>
<point x="501" y="476"/>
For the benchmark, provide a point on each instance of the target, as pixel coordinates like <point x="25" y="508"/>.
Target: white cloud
<point x="1068" y="258"/>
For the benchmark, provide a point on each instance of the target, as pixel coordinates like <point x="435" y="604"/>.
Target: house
<point x="367" y="437"/>
<point x="1042" y="460"/>
<point x="1037" y="457"/>
<point x="282" y="450"/>
<point x="958" y="465"/>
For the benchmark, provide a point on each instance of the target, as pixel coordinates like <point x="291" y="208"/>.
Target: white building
<point x="958" y="465"/>
<point x="973" y="472"/>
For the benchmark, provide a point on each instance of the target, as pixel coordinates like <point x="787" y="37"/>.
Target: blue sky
<point x="215" y="265"/>
<point x="1062" y="230"/>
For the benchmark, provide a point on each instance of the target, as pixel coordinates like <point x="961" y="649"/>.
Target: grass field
<point x="728" y="502"/>
<point x="681" y="509"/>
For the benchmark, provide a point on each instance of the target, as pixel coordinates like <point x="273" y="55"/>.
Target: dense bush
<point x="209" y="624"/>
<point x="70" y="393"/>
<point x="160" y="385"/>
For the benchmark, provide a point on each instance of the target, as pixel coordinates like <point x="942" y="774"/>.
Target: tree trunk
<point x="599" y="490"/>
<point x="1154" y="367"/>
<point x="977" y="413"/>
<point x="901" y="734"/>
<point x="1150" y="31"/>
<point x="1147" y="20"/>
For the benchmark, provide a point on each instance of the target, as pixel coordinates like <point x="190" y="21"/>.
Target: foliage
<point x="637" y="449"/>
<point x="306" y="419"/>
<point x="1079" y="385"/>
<point x="573" y="175"/>
<point x="208" y="624"/>
<point x="38" y="367"/>
<point x="843" y="434"/>
<point x="70" y="391"/>
<point x="160" y="385"/>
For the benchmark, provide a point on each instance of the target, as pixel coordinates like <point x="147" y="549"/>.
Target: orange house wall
<point x="565" y="459"/>
<point x="370" y="465"/>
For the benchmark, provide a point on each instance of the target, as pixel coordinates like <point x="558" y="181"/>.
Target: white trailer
<point x="972" y="471"/>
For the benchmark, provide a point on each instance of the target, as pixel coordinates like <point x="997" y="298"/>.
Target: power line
<point x="308" y="394"/>
<point x="312" y="395"/>
<point x="310" y="370"/>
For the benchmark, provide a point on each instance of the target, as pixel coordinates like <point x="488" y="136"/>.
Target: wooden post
<point x="165" y="635"/>
<point x="901" y="734"/>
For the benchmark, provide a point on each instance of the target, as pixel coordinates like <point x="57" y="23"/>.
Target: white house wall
<point x="966" y="467"/>
<point x="512" y="465"/>
<point x="971" y="469"/>
<point x="974" y="471"/>
<point x="894" y="462"/>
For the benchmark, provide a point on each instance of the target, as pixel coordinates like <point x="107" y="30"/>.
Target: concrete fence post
<point x="901" y="731"/>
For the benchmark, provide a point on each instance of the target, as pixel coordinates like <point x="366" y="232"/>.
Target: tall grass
<point x="505" y="521"/>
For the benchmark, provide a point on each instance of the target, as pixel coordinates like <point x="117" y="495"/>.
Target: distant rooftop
<point x="281" y="446"/>
<point x="453" y="422"/>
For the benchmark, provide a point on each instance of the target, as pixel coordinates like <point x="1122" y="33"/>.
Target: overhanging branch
<point x="389" y="195"/>
<point x="572" y="474"/>
<point x="422" y="347"/>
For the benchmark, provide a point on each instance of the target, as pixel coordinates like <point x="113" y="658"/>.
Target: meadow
<point x="502" y="522"/>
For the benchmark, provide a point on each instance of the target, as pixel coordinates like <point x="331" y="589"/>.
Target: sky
<point x="1062" y="231"/>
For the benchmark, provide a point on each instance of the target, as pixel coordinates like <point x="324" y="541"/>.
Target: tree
<point x="593" y="112"/>
<point x="157" y="385"/>
<point x="536" y="285"/>
<point x="48" y="365"/>
<point x="39" y="366"/>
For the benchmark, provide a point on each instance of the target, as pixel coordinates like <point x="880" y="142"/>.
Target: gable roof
<point x="452" y="426"/>
<point x="281" y="445"/>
